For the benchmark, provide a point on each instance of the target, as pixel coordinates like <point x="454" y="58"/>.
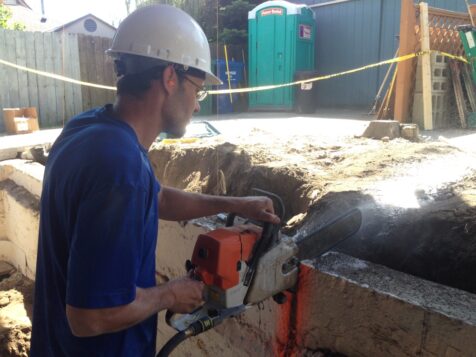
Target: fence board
<point x="68" y="71"/>
<point x="76" y="74"/>
<point x="20" y="56"/>
<point x="84" y="59"/>
<point x="31" y="63"/>
<point x="69" y="87"/>
<point x="57" y="49"/>
<point x="12" y="75"/>
<point x="4" y="95"/>
<point x="99" y="94"/>
<point x="50" y="90"/>
<point x="109" y="75"/>
<point x="42" y="81"/>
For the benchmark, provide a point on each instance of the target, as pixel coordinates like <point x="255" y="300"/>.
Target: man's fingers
<point x="269" y="217"/>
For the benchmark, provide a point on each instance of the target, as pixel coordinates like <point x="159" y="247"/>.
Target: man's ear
<point x="169" y="79"/>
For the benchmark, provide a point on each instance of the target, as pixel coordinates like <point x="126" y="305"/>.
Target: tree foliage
<point x="225" y="21"/>
<point x="6" y="20"/>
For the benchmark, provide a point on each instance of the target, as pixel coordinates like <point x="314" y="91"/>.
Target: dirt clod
<point x="16" y="299"/>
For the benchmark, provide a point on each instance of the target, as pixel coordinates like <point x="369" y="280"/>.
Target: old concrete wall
<point x="342" y="304"/>
<point x="20" y="189"/>
<point x="364" y="309"/>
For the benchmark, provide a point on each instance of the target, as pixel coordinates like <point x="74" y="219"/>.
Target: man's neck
<point x="143" y="118"/>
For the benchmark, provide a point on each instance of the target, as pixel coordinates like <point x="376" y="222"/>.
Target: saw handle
<point x="168" y="317"/>
<point x="269" y="234"/>
<point x="230" y="219"/>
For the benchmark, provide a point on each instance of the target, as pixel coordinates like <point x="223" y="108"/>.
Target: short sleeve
<point x="106" y="248"/>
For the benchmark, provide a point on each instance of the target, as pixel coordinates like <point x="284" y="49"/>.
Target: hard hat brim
<point x="211" y="79"/>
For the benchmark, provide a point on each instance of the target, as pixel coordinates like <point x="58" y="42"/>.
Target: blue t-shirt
<point x="98" y="233"/>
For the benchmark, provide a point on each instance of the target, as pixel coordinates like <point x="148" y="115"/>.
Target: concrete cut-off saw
<point x="242" y="265"/>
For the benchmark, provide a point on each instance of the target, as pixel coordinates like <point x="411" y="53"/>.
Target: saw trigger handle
<point x="230" y="219"/>
<point x="189" y="266"/>
<point x="280" y="298"/>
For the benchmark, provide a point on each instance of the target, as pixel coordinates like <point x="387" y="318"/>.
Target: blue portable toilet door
<point x="271" y="44"/>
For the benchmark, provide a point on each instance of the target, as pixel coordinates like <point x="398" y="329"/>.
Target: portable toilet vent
<point x="280" y="42"/>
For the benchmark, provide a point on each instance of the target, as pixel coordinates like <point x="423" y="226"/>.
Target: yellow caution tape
<point x="252" y="89"/>
<point x="320" y="78"/>
<point x="55" y="76"/>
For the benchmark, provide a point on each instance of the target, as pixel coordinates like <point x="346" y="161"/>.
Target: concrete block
<point x="20" y="188"/>
<point x="11" y="145"/>
<point x="21" y="210"/>
<point x="26" y="174"/>
<point x="379" y="129"/>
<point x="439" y="105"/>
<point x="13" y="254"/>
<point x="409" y="132"/>
<point x="6" y="269"/>
<point x="363" y="309"/>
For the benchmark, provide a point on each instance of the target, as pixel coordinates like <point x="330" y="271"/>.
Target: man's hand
<point x="180" y="295"/>
<point x="177" y="205"/>
<point x="187" y="294"/>
<point x="258" y="208"/>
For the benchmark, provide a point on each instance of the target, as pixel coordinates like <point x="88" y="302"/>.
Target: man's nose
<point x="197" y="106"/>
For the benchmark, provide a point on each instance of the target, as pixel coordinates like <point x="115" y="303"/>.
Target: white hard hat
<point x="167" y="34"/>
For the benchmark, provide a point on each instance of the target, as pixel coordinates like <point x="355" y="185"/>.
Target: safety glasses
<point x="201" y="93"/>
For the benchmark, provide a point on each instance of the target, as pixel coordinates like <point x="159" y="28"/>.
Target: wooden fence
<point x="75" y="56"/>
<point x="442" y="36"/>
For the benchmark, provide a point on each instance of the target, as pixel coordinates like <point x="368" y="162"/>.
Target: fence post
<point x="408" y="44"/>
<point x="426" y="67"/>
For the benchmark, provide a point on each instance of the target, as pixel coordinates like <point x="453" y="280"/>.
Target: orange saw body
<point x="219" y="255"/>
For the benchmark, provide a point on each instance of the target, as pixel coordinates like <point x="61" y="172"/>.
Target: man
<point x="96" y="293"/>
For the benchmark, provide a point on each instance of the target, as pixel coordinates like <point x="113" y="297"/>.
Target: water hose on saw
<point x="204" y="324"/>
<point x="178" y="338"/>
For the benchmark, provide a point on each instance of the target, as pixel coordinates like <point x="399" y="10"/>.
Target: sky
<point x="63" y="11"/>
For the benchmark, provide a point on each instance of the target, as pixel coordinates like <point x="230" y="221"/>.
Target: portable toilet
<point x="281" y="38"/>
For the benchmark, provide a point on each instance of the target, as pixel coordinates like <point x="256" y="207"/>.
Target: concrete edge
<point x="450" y="302"/>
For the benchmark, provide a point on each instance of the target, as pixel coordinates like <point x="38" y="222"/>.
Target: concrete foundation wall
<point x="342" y="304"/>
<point x="20" y="189"/>
<point x="363" y="309"/>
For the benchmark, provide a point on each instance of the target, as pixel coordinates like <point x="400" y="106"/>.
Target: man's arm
<point x="180" y="295"/>
<point x="178" y="205"/>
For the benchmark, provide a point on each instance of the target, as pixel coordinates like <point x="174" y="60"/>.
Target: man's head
<point x="163" y="34"/>
<point x="164" y="44"/>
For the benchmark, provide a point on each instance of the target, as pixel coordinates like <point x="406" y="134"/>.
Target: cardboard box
<point x="20" y="120"/>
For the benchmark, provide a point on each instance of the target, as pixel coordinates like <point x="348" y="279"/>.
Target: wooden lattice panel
<point x="444" y="35"/>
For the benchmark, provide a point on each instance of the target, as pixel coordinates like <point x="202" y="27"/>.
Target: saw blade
<point x="313" y="245"/>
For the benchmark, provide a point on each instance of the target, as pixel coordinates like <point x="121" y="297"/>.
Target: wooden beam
<point x="426" y="67"/>
<point x="469" y="86"/>
<point x="448" y="14"/>
<point x="408" y="43"/>
<point x="459" y="95"/>
<point x="472" y="8"/>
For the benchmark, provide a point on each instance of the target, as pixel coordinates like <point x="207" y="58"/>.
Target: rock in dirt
<point x="379" y="129"/>
<point x="16" y="299"/>
<point x="6" y="269"/>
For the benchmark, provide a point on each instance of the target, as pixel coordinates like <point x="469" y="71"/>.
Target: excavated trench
<point x="418" y="200"/>
<point x="432" y="236"/>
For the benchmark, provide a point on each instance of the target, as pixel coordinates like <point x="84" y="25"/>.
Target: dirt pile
<point x="16" y="299"/>
<point x="227" y="169"/>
